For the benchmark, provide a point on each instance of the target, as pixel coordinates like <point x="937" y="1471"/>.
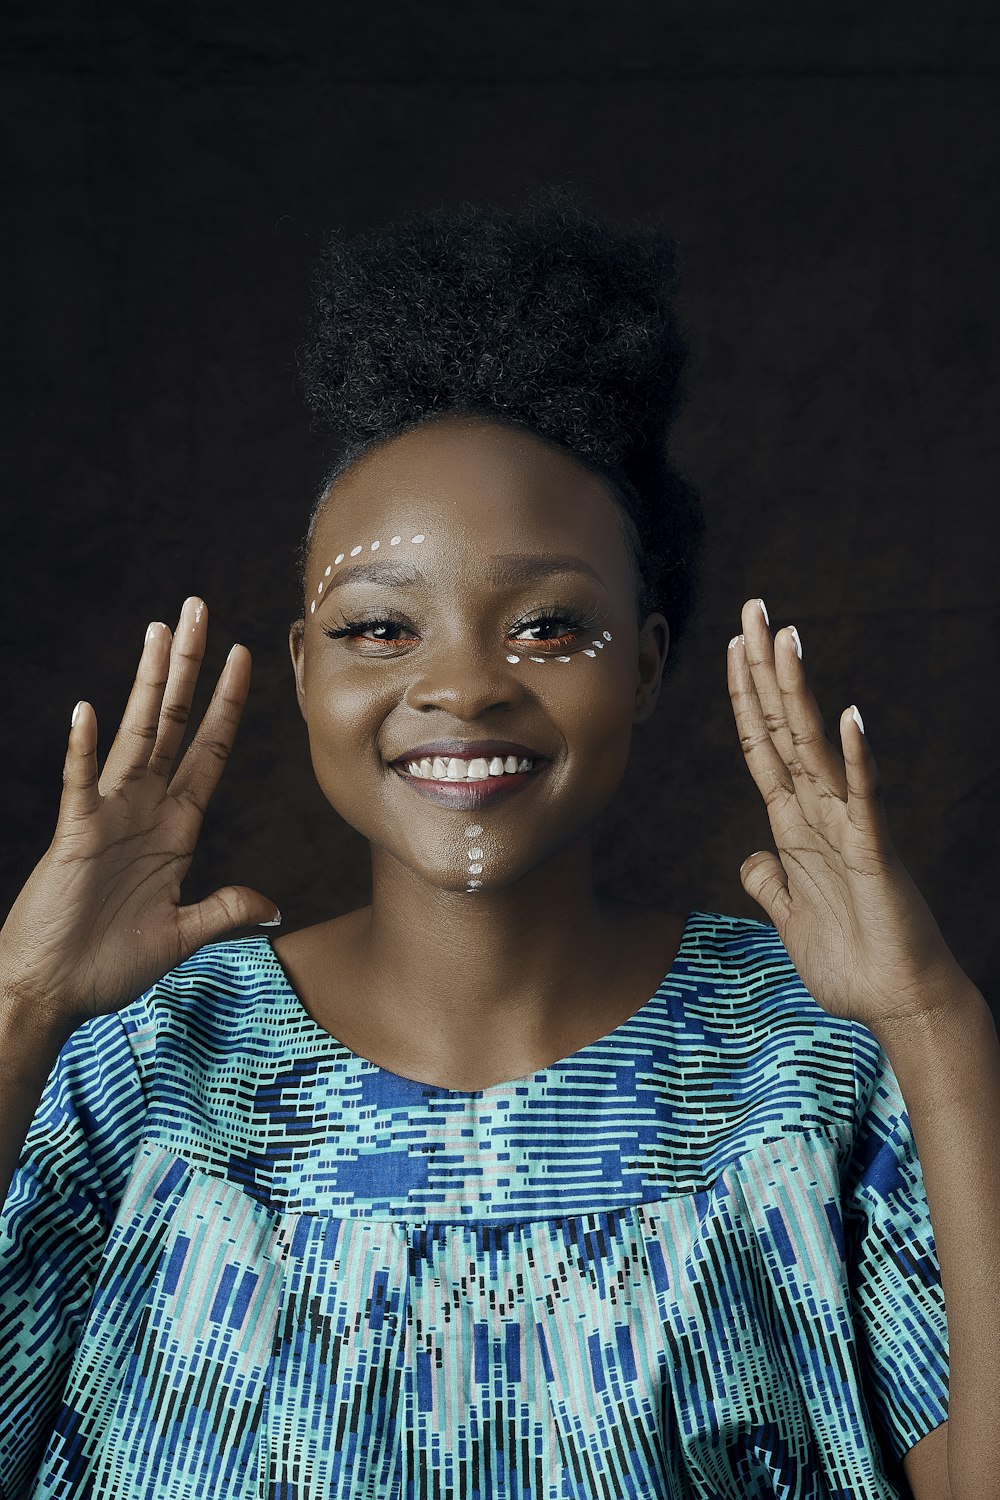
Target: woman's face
<point x="482" y="614"/>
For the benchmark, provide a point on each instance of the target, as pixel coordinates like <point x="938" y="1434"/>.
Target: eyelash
<point x="556" y="615"/>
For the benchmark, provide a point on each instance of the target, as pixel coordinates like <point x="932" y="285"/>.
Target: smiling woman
<point x="496" y="1185"/>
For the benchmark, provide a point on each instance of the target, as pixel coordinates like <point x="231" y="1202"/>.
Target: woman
<point x="497" y="1185"/>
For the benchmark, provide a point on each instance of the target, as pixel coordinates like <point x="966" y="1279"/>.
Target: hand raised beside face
<point x="861" y="936"/>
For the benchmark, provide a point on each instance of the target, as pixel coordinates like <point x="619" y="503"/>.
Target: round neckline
<point x="495" y="1088"/>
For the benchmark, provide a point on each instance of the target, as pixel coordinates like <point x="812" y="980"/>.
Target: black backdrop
<point x="831" y="175"/>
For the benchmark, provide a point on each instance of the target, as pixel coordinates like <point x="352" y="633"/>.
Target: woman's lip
<point x="470" y="794"/>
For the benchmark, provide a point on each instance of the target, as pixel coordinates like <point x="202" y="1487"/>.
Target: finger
<point x="133" y="744"/>
<point x="186" y="653"/>
<point x="759" y="652"/>
<point x="865" y="807"/>
<point x="763" y="877"/>
<point x="772" y="777"/>
<point x="205" y="760"/>
<point x="817" y="768"/>
<point x="80" y="796"/>
<point x="232" y="906"/>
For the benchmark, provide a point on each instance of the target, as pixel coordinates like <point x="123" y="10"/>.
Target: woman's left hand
<point x="861" y="936"/>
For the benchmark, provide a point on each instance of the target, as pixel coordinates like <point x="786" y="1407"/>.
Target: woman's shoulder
<point x="213" y="993"/>
<point x="742" y="962"/>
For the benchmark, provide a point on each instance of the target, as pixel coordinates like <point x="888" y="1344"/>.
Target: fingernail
<point x="274" y="921"/>
<point x="857" y="718"/>
<point x="75" y="712"/>
<point x="156" y="625"/>
<point x="763" y="610"/>
<point x="795" y="641"/>
<point x="732" y="643"/>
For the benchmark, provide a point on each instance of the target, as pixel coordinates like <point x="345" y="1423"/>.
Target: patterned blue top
<point x="692" y="1259"/>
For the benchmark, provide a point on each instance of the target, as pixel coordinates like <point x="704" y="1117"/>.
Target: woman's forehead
<point x="467" y="486"/>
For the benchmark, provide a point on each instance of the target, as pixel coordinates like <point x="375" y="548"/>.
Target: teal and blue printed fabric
<point x="693" y="1259"/>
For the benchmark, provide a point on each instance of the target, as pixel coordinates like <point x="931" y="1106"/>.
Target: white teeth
<point x="455" y="769"/>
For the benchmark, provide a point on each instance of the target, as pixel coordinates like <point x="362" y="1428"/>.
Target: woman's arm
<point x="27" y="1056"/>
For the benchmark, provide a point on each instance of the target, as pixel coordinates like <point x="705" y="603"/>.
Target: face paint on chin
<point x="475" y="856"/>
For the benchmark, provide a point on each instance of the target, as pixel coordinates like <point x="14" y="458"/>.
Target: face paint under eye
<point x="591" y="651"/>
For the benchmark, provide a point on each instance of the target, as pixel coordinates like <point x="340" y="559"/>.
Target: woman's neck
<point x="500" y="982"/>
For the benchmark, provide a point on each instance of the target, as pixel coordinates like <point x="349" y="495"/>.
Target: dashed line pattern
<point x="692" y="1259"/>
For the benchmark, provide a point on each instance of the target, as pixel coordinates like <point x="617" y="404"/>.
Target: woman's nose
<point x="465" y="680"/>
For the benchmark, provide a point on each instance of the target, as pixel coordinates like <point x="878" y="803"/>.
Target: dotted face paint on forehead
<point x="394" y="541"/>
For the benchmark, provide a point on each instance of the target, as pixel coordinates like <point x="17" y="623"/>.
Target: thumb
<point x="763" y="877"/>
<point x="229" y="907"/>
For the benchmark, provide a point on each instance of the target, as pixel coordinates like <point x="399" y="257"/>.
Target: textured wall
<point x="833" y="184"/>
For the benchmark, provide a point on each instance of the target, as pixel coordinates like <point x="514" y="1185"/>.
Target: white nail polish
<point x="858" y="719"/>
<point x="274" y="921"/>
<point x="763" y="610"/>
<point x="797" y="643"/>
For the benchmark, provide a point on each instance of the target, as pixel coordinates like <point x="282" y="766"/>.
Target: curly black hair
<point x="547" y="317"/>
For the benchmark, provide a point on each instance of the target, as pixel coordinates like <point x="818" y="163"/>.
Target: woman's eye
<point x="388" y="632"/>
<point x="551" y="630"/>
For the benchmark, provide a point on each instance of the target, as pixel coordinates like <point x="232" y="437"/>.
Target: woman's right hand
<point x="100" y="918"/>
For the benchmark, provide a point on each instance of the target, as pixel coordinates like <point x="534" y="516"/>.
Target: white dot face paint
<point x="475" y="857"/>
<point x="355" y="551"/>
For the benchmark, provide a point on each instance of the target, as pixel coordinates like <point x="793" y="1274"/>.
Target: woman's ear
<point x="654" y="644"/>
<point x="296" y="644"/>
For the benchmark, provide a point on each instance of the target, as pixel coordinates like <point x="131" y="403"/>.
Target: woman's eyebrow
<point x="509" y="568"/>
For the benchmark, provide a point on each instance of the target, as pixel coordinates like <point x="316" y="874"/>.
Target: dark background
<point x="831" y="175"/>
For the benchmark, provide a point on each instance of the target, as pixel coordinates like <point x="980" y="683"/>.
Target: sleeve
<point x="897" y="1299"/>
<point x="62" y="1203"/>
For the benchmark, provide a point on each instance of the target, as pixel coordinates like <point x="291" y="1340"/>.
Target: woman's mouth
<point x="453" y="782"/>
